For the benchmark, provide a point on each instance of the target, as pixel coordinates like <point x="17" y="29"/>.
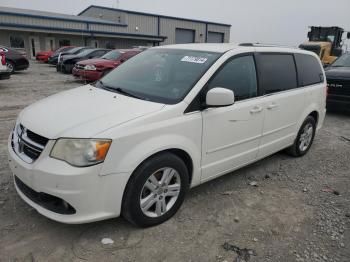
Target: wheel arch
<point x="12" y="62"/>
<point x="312" y="110"/>
<point x="315" y="115"/>
<point x="182" y="154"/>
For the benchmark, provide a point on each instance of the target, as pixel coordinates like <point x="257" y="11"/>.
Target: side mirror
<point x="219" y="97"/>
<point x="348" y="35"/>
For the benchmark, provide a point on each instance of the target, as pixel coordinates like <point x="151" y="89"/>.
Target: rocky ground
<point x="279" y="209"/>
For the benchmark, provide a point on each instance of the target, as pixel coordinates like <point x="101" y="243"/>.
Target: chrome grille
<point x="27" y="144"/>
<point x="339" y="87"/>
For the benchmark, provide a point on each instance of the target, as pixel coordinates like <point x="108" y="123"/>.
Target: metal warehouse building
<point x="32" y="31"/>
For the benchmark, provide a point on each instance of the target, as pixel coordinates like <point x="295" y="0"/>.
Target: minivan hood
<point x="99" y="62"/>
<point x="338" y="72"/>
<point x="83" y="112"/>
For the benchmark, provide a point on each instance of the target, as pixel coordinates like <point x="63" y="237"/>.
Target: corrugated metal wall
<point x="134" y="24"/>
<point x="148" y="24"/>
<point x="168" y="26"/>
<point x="41" y="22"/>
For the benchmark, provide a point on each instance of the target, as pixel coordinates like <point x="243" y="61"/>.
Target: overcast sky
<point x="266" y="21"/>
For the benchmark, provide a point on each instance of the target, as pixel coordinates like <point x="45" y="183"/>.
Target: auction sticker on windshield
<point x="194" y="59"/>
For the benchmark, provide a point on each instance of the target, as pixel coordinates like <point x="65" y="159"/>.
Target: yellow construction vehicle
<point x="326" y="42"/>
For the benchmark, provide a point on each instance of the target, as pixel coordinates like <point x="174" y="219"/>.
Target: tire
<point x="304" y="136"/>
<point x="66" y="69"/>
<point x="138" y="190"/>
<point x="11" y="66"/>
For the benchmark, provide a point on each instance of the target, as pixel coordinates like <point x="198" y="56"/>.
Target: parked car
<point x="67" y="63"/>
<point x="94" y="69"/>
<point x="44" y="56"/>
<point x="168" y="119"/>
<point x="53" y="60"/>
<point x="15" y="60"/>
<point x="338" y="78"/>
<point x="4" y="72"/>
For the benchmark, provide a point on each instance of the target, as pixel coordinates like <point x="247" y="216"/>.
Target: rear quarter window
<point x="309" y="70"/>
<point x="277" y="72"/>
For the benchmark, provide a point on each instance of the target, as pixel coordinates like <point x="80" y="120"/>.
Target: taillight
<point x="3" y="59"/>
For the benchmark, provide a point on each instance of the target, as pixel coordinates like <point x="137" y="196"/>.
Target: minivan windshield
<point x="112" y="55"/>
<point x="160" y="75"/>
<point x="343" y="61"/>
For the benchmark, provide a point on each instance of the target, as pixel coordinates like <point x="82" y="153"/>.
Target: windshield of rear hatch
<point x="73" y="50"/>
<point x="161" y="75"/>
<point x="343" y="61"/>
<point x="112" y="55"/>
<point x="85" y="52"/>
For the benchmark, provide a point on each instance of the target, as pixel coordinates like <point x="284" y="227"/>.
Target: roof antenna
<point x="117" y="4"/>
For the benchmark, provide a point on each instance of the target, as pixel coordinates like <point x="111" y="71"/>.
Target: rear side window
<point x="309" y="70"/>
<point x="277" y="73"/>
<point x="98" y="53"/>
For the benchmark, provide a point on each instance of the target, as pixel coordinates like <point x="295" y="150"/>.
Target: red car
<point x="43" y="56"/>
<point x="94" y="69"/>
<point x="4" y="71"/>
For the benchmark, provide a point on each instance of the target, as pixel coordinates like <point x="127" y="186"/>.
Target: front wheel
<point x="156" y="190"/>
<point x="304" y="138"/>
<point x="10" y="67"/>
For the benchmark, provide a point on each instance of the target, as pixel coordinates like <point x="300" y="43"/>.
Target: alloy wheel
<point x="10" y="67"/>
<point x="306" y="137"/>
<point x="160" y="192"/>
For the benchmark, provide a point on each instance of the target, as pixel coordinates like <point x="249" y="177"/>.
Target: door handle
<point x="272" y="106"/>
<point x="256" y="109"/>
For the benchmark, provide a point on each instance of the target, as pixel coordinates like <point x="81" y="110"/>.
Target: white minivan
<point x="166" y="120"/>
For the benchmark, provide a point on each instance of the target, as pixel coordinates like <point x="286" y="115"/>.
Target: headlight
<point x="81" y="152"/>
<point x="90" y="67"/>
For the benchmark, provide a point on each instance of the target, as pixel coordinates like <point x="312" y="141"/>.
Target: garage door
<point x="184" y="36"/>
<point x="215" y="37"/>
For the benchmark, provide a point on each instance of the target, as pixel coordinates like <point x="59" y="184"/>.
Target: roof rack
<point x="264" y="45"/>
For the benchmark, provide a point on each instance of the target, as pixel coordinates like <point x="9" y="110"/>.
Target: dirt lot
<point x="279" y="209"/>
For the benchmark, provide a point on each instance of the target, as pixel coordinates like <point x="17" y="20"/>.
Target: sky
<point x="283" y="22"/>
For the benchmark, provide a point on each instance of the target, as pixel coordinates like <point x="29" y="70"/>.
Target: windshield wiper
<point x="124" y="92"/>
<point x="119" y="90"/>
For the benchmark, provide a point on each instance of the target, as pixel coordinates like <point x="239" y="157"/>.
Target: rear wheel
<point x="156" y="190"/>
<point x="304" y="138"/>
<point x="67" y="69"/>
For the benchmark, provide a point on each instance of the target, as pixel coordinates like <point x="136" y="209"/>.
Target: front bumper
<point x="87" y="74"/>
<point x="64" y="68"/>
<point x="43" y="59"/>
<point x="338" y="102"/>
<point x="92" y="196"/>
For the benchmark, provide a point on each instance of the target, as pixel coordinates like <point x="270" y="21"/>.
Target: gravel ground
<point x="278" y="209"/>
